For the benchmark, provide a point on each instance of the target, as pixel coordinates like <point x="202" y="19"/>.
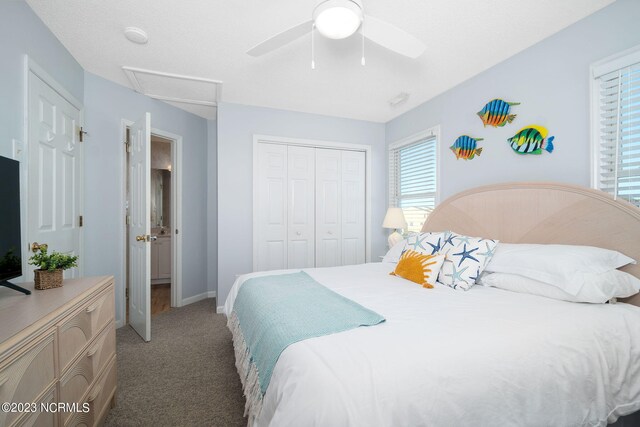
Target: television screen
<point x="10" y="243"/>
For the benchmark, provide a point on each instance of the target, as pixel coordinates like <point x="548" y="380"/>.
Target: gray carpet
<point x="184" y="377"/>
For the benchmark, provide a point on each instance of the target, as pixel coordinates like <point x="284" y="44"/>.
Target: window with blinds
<point x="412" y="179"/>
<point x="617" y="128"/>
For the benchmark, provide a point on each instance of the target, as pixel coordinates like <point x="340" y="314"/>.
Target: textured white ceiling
<point x="209" y="38"/>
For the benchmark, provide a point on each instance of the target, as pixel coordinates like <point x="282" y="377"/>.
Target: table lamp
<point x="394" y="219"/>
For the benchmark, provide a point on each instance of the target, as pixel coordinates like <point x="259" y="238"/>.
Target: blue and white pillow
<point x="466" y="258"/>
<point x="429" y="243"/>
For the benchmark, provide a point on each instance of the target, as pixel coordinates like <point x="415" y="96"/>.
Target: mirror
<point x="160" y="198"/>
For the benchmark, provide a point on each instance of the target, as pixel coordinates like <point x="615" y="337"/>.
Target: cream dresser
<point x="58" y="346"/>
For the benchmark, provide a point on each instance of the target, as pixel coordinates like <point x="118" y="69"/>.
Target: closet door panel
<point x="301" y="207"/>
<point x="328" y="208"/>
<point x="352" y="207"/>
<point x="272" y="200"/>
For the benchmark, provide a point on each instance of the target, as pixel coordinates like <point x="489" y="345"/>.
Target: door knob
<point x="35" y="246"/>
<point x="298" y="233"/>
<point x="153" y="238"/>
<point x="142" y="238"/>
<point x="329" y="233"/>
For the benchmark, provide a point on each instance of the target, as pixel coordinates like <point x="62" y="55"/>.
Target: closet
<point x="310" y="207"/>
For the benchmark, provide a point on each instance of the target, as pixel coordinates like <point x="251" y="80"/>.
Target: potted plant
<point x="50" y="267"/>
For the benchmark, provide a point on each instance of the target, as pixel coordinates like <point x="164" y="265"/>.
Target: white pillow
<point x="426" y="243"/>
<point x="598" y="288"/>
<point x="558" y="265"/>
<point x="465" y="259"/>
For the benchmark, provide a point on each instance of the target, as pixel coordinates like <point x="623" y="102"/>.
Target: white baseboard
<point x="220" y="309"/>
<point x="199" y="297"/>
<point x="119" y="323"/>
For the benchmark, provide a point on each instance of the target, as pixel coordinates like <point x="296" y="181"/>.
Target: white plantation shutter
<point x="412" y="180"/>
<point x="618" y="129"/>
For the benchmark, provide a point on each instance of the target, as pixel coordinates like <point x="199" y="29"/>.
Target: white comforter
<point x="485" y="357"/>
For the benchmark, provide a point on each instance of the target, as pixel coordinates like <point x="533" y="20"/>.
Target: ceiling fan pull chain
<point x="313" y="50"/>
<point x="362" y="32"/>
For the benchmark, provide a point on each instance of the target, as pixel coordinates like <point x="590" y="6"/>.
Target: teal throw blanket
<point x="272" y="312"/>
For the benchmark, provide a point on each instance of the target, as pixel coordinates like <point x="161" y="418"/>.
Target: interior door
<point x="54" y="174"/>
<point x="353" y="207"/>
<point x="328" y="211"/>
<point x="140" y="227"/>
<point x="272" y="214"/>
<point x="301" y="203"/>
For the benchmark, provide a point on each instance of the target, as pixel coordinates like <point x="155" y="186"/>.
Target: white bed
<point x="485" y="357"/>
<point x="451" y="358"/>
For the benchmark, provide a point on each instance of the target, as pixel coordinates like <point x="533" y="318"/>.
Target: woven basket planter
<point x="45" y="279"/>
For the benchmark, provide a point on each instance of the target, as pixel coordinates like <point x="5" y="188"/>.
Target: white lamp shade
<point x="394" y="219"/>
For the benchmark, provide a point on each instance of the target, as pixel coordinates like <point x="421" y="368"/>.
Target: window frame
<point x="432" y="132"/>
<point x="598" y="69"/>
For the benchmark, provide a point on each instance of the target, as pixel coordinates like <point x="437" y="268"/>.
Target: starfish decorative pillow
<point x="430" y="243"/>
<point x="466" y="259"/>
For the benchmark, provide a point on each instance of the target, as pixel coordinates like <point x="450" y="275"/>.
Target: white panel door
<point x="54" y="173"/>
<point x="301" y="202"/>
<point x="140" y="227"/>
<point x="328" y="209"/>
<point x="353" y="207"/>
<point x="272" y="207"/>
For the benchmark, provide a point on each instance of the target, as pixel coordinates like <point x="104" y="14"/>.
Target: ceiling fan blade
<point x="281" y="39"/>
<point x="392" y="37"/>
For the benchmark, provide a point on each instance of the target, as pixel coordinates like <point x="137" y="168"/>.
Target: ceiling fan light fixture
<point x="338" y="19"/>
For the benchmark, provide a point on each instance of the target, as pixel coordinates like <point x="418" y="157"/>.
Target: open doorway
<point x="161" y="195"/>
<point x="164" y="200"/>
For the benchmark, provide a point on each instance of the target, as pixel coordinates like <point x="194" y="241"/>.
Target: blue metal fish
<point x="466" y="147"/>
<point x="496" y="113"/>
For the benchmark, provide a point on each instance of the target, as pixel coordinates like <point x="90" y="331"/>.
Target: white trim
<point x="315" y="143"/>
<point x="220" y="310"/>
<point x="30" y="66"/>
<point x="615" y="62"/>
<point x="199" y="297"/>
<point x="432" y="132"/>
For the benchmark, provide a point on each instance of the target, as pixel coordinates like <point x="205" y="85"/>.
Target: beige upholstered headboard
<point x="543" y="213"/>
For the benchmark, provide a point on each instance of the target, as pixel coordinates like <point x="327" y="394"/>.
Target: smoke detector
<point x="136" y="35"/>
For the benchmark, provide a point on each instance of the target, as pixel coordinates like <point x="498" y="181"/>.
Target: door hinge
<point x="80" y="221"/>
<point x="81" y="134"/>
<point x="126" y="293"/>
<point x="127" y="219"/>
<point x="127" y="142"/>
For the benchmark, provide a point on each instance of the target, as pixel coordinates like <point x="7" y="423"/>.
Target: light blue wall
<point x="212" y="206"/>
<point x="22" y="33"/>
<point x="551" y="80"/>
<point x="236" y="126"/>
<point x="106" y="104"/>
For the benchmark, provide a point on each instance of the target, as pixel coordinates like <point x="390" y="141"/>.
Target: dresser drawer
<point x="77" y="331"/>
<point x="40" y="419"/>
<point x="77" y="380"/>
<point x="99" y="398"/>
<point x="27" y="373"/>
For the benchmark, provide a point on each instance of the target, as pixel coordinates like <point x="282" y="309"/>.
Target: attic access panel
<point x="175" y="88"/>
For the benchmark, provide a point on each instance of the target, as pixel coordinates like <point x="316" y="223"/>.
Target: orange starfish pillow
<point x="419" y="268"/>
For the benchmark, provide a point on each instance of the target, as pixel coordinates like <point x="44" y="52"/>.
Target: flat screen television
<point x="10" y="238"/>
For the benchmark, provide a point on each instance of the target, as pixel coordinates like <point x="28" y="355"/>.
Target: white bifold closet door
<point x="340" y="207"/>
<point x="311" y="207"/>
<point x="301" y="189"/>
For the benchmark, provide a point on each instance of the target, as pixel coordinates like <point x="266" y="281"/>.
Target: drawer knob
<point x="91" y="352"/>
<point x="91" y="308"/>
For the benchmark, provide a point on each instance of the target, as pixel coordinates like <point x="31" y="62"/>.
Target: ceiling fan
<point x="339" y="19"/>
